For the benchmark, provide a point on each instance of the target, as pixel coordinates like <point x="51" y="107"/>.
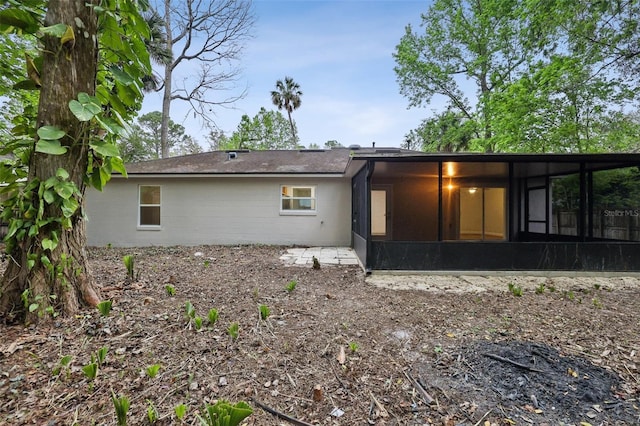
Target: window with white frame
<point x="297" y="199"/>
<point x="149" y="206"/>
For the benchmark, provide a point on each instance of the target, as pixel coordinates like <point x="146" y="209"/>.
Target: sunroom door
<point x="482" y="213"/>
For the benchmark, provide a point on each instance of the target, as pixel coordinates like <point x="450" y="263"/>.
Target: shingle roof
<point x="330" y="161"/>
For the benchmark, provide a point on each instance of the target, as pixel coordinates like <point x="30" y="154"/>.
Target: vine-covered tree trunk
<point x="39" y="282"/>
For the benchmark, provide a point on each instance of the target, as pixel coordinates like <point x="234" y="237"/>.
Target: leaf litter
<point x="564" y="355"/>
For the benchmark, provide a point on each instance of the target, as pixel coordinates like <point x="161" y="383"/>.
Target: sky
<point x="340" y="53"/>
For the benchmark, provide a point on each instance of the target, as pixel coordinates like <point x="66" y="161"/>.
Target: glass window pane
<point x="302" y="192"/>
<point x="616" y="204"/>
<point x="565" y="204"/>
<point x="150" y="215"/>
<point x="149" y="195"/>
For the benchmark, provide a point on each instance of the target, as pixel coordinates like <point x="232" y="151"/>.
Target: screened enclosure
<point x="497" y="211"/>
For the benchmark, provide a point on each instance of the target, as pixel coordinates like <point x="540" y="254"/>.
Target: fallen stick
<point x="509" y="361"/>
<point x="427" y="398"/>
<point x="280" y="414"/>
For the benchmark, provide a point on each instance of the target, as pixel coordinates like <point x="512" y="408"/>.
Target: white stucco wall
<point x="219" y="210"/>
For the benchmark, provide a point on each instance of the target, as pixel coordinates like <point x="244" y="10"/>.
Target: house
<point x="242" y="197"/>
<point x="399" y="209"/>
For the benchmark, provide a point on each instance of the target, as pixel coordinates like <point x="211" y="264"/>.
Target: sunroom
<point x="502" y="212"/>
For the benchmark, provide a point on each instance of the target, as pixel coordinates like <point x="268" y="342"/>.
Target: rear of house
<point x="241" y="197"/>
<point x="399" y="209"/>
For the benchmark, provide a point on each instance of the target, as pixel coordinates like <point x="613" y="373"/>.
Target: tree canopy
<point x="524" y="76"/>
<point x="142" y="140"/>
<point x="266" y="130"/>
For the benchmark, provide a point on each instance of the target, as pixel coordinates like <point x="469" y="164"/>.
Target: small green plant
<point x="171" y="290"/>
<point x="152" y="370"/>
<point x="90" y="370"/>
<point x="569" y="295"/>
<point x="353" y="347"/>
<point x="212" y="316"/>
<point x="596" y="286"/>
<point x="152" y="413"/>
<point x="597" y="303"/>
<point x="198" y="323"/>
<point x="207" y="263"/>
<point x="438" y="349"/>
<point x="101" y="355"/>
<point x="189" y="310"/>
<point x="264" y="312"/>
<point x="121" y="404"/>
<point x="225" y="414"/>
<point x="516" y="290"/>
<point x="63" y="365"/>
<point x="233" y="330"/>
<point x="316" y="262"/>
<point x="105" y="307"/>
<point x="540" y="289"/>
<point x="128" y="261"/>
<point x="291" y="286"/>
<point x="181" y="411"/>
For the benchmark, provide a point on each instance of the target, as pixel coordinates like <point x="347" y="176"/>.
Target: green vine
<point x="124" y="61"/>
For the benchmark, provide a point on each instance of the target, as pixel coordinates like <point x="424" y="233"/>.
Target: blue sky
<point x="340" y="52"/>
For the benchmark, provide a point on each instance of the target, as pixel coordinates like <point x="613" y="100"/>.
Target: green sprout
<point x="90" y="370"/>
<point x="198" y="323"/>
<point x="181" y="411"/>
<point x="152" y="370"/>
<point x="101" y="355"/>
<point x="291" y="286"/>
<point x="152" y="413"/>
<point x="225" y="414"/>
<point x="121" y="405"/>
<point x="171" y="290"/>
<point x="190" y="311"/>
<point x="104" y="307"/>
<point x="212" y="316"/>
<point x="233" y="330"/>
<point x="128" y="263"/>
<point x="516" y="290"/>
<point x="264" y="312"/>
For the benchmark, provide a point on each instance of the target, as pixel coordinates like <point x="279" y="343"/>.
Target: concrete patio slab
<point x="325" y="255"/>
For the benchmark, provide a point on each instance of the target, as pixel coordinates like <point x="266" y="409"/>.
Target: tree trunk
<point x="168" y="72"/>
<point x="34" y="293"/>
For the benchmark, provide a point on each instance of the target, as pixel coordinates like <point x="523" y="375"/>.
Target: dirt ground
<point x="336" y="348"/>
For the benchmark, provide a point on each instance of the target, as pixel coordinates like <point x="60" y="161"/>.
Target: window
<point x="149" y="199"/>
<point x="297" y="199"/>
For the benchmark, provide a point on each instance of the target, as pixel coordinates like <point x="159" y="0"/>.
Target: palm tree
<point x="158" y="50"/>
<point x="287" y="96"/>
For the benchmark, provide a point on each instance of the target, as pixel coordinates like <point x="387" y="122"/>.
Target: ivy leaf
<point x="121" y="75"/>
<point x="49" y="244"/>
<point x="50" y="132"/>
<point x="50" y="147"/>
<point x="48" y="196"/>
<point x="62" y="174"/>
<point x="56" y="30"/>
<point x="64" y="189"/>
<point x="17" y="18"/>
<point x="83" y="112"/>
<point x="106" y="149"/>
<point x="69" y="207"/>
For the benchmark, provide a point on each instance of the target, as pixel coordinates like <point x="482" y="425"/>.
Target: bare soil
<point x="338" y="349"/>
